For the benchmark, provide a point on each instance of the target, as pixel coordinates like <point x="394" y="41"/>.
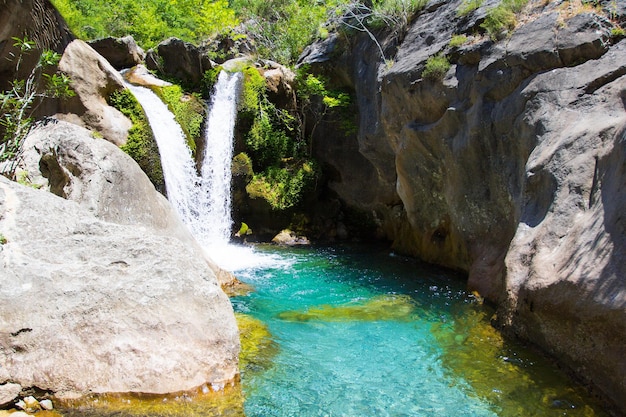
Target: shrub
<point x="502" y="17"/>
<point x="284" y="187"/>
<point x="457" y="40"/>
<point x="468" y="6"/>
<point x="436" y="67"/>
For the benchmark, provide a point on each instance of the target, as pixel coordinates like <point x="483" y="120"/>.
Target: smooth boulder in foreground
<point x="91" y="306"/>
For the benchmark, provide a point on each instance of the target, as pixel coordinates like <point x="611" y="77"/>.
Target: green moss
<point x="457" y="40"/>
<point x="436" y="67"/>
<point x="381" y="308"/>
<point x="618" y="33"/>
<point x="140" y="144"/>
<point x="208" y="81"/>
<point x="188" y="109"/>
<point x="3" y="240"/>
<point x="475" y="352"/>
<point x="253" y="91"/>
<point x="242" y="165"/>
<point x="257" y="345"/>
<point x="468" y="6"/>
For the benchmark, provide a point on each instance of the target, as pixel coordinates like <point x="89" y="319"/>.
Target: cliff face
<point x="507" y="167"/>
<point x="36" y="19"/>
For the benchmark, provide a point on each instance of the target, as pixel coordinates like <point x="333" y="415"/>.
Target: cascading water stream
<point x="216" y="166"/>
<point x="203" y="202"/>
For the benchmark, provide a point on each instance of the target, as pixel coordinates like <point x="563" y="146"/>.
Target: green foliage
<point x="436" y="67"/>
<point x="282" y="28"/>
<point x="140" y="144"/>
<point x="316" y="98"/>
<point x="283" y="187"/>
<point x="617" y="32"/>
<point x="3" y="240"/>
<point x="457" y="40"/>
<point x="502" y="17"/>
<point x="188" y="111"/>
<point x="396" y="12"/>
<point x="208" y="81"/>
<point x="18" y="103"/>
<point x="253" y="91"/>
<point x="468" y="6"/>
<point x="242" y="165"/>
<point x="149" y="21"/>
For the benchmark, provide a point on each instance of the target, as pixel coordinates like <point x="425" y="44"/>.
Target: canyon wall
<point x="507" y="166"/>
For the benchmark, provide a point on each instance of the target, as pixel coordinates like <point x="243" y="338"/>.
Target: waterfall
<point x="218" y="155"/>
<point x="202" y="202"/>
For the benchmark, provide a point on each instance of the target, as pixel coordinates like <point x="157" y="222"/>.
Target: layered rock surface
<point x="93" y="305"/>
<point x="508" y="167"/>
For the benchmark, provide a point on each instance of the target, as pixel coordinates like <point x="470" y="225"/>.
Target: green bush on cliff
<point x="188" y="109"/>
<point x="502" y="17"/>
<point x="436" y="67"/>
<point x="284" y="187"/>
<point x="281" y="169"/>
<point x="140" y="144"/>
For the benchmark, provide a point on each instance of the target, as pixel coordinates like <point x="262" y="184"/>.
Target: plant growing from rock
<point x="20" y="101"/>
<point x="436" y="67"/>
<point x="457" y="40"/>
<point x="502" y="18"/>
<point x="140" y="144"/>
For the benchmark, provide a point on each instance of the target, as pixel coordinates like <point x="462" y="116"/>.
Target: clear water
<point x="364" y="333"/>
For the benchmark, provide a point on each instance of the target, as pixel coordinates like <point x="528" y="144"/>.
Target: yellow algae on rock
<point x="257" y="346"/>
<point x="380" y="308"/>
<point x="474" y="352"/>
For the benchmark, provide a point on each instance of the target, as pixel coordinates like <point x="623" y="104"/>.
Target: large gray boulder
<point x="120" y="52"/>
<point x="93" y="306"/>
<point x="508" y="168"/>
<point x="94" y="80"/>
<point x="179" y="59"/>
<point x="68" y="161"/>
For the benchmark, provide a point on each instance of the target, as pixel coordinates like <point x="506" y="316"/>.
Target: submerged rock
<point x="384" y="307"/>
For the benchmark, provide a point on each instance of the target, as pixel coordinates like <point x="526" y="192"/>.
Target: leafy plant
<point x="436" y="67"/>
<point x="283" y="187"/>
<point x="20" y="101"/>
<point x="316" y="100"/>
<point x="3" y="240"/>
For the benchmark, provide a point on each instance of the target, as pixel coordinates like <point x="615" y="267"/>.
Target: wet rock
<point x="289" y="238"/>
<point x="46" y="405"/>
<point x="8" y="393"/>
<point x="120" y="52"/>
<point x="139" y="75"/>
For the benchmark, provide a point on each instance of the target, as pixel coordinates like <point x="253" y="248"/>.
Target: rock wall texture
<point x="104" y="293"/>
<point x="36" y="19"/>
<point x="507" y="167"/>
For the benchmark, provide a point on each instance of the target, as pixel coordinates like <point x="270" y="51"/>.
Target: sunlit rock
<point x="93" y="306"/>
